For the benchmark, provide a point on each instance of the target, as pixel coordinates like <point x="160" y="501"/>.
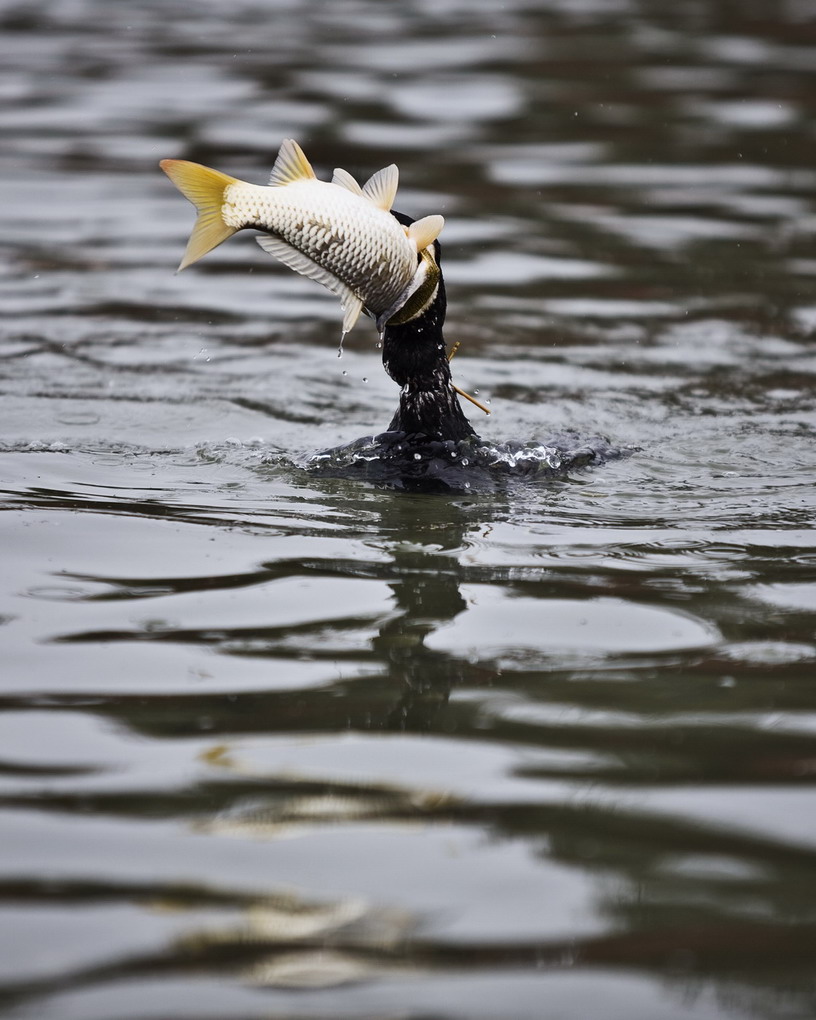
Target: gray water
<point x="275" y="744"/>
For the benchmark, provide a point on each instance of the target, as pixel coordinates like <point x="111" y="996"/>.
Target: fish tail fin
<point x="205" y="188"/>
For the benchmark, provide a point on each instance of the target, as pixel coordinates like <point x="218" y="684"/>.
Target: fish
<point x="336" y="232"/>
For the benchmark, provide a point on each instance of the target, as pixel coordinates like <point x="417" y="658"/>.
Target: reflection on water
<point x="277" y="743"/>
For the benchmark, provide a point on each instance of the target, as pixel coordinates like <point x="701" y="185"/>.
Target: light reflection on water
<point x="280" y="744"/>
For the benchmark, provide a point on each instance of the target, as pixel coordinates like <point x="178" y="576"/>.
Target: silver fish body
<point x="337" y="233"/>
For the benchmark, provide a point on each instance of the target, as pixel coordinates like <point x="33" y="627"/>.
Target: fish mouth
<point x="413" y="299"/>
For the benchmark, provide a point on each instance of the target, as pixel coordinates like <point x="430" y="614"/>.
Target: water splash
<point x="399" y="461"/>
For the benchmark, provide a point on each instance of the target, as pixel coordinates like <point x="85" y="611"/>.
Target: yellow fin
<point x="425" y="231"/>
<point x="291" y="165"/>
<point x="381" y="187"/>
<point x="205" y="188"/>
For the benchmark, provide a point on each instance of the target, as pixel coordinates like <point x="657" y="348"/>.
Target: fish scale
<point x="351" y="238"/>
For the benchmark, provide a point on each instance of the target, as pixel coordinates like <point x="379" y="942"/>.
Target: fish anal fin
<point x="352" y="306"/>
<point x="425" y="231"/>
<point x="291" y="165"/>
<point x="344" y="180"/>
<point x="205" y="188"/>
<point x="381" y="187"/>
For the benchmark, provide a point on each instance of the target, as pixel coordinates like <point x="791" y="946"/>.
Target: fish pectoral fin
<point x="291" y="165"/>
<point x="343" y="179"/>
<point x="425" y="231"/>
<point x="205" y="188"/>
<point x="302" y="264"/>
<point x="381" y="187"/>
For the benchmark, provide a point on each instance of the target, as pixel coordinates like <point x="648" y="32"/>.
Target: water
<point x="275" y="742"/>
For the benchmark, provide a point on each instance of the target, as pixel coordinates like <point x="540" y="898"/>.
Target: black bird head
<point x="429" y="300"/>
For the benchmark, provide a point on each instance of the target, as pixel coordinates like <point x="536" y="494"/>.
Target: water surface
<point x="279" y="744"/>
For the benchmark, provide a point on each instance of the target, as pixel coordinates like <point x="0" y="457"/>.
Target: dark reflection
<point x="426" y="593"/>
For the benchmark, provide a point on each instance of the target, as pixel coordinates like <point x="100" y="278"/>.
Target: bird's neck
<point x="415" y="357"/>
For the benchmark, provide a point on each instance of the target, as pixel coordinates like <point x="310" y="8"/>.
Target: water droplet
<point x="465" y="462"/>
<point x="476" y="392"/>
<point x="417" y="456"/>
<point x="345" y="372"/>
<point x="487" y="401"/>
<point x="379" y="345"/>
<point x="365" y="378"/>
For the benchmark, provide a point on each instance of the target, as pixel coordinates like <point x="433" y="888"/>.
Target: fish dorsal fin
<point x="344" y="180"/>
<point x="381" y="188"/>
<point x="291" y="165"/>
<point x="425" y="231"/>
<point x="302" y="264"/>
